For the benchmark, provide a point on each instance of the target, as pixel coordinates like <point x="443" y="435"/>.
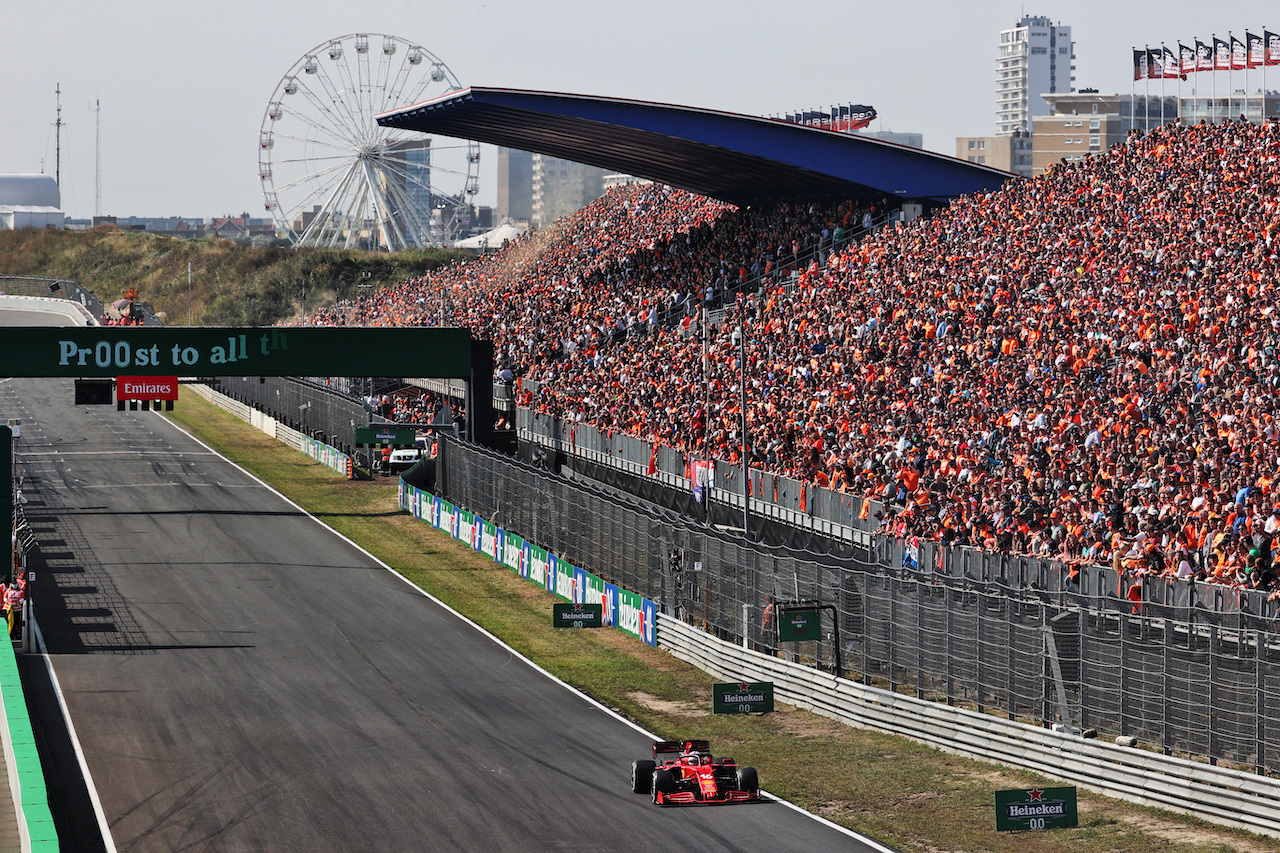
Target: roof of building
<point x="736" y="158"/>
<point x="21" y="190"/>
<point x="506" y="230"/>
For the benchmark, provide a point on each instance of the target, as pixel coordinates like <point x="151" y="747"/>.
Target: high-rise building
<point x="561" y="187"/>
<point x="1036" y="57"/>
<point x="1012" y="153"/>
<point x="1066" y="138"/>
<point x="407" y="181"/>
<point x="515" y="185"/>
<point x="1255" y="107"/>
<point x="1132" y="109"/>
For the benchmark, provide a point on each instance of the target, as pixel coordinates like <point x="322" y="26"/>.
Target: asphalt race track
<point x="241" y="678"/>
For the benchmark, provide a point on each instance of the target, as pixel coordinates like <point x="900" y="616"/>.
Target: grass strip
<point x="905" y="794"/>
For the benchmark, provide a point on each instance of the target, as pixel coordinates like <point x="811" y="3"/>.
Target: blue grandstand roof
<point x="736" y="158"/>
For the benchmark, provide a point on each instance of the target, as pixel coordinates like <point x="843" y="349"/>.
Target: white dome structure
<point x="30" y="201"/>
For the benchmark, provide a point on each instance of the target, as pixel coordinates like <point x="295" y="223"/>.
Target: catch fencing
<point x="58" y="288"/>
<point x="1195" y="673"/>
<point x="317" y="407"/>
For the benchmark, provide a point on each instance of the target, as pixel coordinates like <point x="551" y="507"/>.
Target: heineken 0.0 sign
<point x="742" y="698"/>
<point x="1036" y="808"/>
<point x="565" y="615"/>
<point x="799" y="623"/>
<point x="386" y="435"/>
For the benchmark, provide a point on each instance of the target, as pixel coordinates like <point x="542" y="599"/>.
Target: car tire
<point x="642" y="776"/>
<point x="664" y="782"/>
<point x="748" y="780"/>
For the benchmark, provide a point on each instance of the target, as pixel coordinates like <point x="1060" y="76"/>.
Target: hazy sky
<point x="183" y="86"/>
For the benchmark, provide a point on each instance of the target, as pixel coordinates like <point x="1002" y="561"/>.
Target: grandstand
<point x="1080" y="366"/>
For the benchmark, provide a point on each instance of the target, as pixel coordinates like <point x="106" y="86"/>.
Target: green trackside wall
<point x="26" y="776"/>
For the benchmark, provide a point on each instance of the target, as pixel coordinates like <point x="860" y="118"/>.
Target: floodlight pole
<point x="742" y="374"/>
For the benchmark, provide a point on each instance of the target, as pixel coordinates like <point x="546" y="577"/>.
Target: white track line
<point x="103" y="826"/>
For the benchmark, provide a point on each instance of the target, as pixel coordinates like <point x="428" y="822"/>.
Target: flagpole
<point x="1231" y="64"/>
<point x="1213" y="109"/>
<point x="1133" y="98"/>
<point x="1195" y="69"/>
<point x="1181" y="74"/>
<point x="1164" y="72"/>
<point x="1146" y="93"/>
<point x="1248" y="60"/>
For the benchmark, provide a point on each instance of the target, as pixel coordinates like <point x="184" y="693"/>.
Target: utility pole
<point x="97" y="179"/>
<point x="57" y="137"/>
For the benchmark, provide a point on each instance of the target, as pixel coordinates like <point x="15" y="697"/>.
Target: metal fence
<point x="320" y="408"/>
<point x="1197" y="673"/>
<point x="836" y="516"/>
<point x="57" y="288"/>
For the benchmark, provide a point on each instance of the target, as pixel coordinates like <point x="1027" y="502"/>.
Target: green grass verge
<point x="907" y="795"/>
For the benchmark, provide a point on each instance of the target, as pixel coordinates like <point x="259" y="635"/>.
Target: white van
<point x="404" y="458"/>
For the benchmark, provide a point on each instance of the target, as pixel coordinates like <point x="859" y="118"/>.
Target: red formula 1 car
<point x="685" y="772"/>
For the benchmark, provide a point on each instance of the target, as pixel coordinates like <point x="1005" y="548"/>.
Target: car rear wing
<point x="667" y="747"/>
<point x="680" y="747"/>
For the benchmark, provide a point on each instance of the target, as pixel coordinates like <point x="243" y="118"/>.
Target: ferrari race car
<point x="685" y="772"/>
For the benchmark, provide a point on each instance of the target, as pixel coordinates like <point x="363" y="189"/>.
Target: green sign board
<point x="98" y="351"/>
<point x="742" y="698"/>
<point x="386" y="435"/>
<point x="566" y="615"/>
<point x="799" y="623"/>
<point x="1036" y="808"/>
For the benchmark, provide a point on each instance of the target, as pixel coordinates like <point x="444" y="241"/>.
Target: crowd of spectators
<point x="1081" y="365"/>
<point x="124" y="319"/>
<point x="626" y="260"/>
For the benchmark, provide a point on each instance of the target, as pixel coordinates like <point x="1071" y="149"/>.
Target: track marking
<point x="179" y="483"/>
<point x="124" y="453"/>
<point x="104" y="827"/>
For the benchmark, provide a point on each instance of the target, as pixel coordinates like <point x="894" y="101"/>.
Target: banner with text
<point x="107" y="351"/>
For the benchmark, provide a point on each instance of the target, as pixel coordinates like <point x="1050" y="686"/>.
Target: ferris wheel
<point x="331" y="176"/>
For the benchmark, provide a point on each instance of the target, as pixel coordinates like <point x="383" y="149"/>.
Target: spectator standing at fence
<point x="14" y="597"/>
